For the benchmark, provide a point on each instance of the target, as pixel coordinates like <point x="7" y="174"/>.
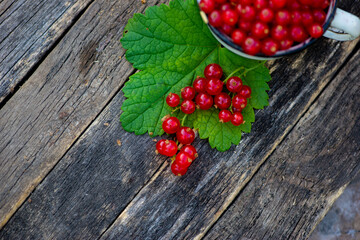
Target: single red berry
<point x="234" y="84"/>
<point x="204" y="101"/>
<point x="215" y="18"/>
<point x="213" y="70"/>
<point x="325" y="4"/>
<point x="245" y="91"/>
<point x="222" y="100"/>
<point x="282" y="17"/>
<point x="260" y="4"/>
<point x="229" y="17"/>
<point x="188" y="93"/>
<point x="319" y="16"/>
<point x="248" y="13"/>
<point x="225" y="116"/>
<point x="286" y="43"/>
<point x="245" y="25"/>
<point x="200" y="84"/>
<point x="260" y="30"/>
<point x="214" y="86"/>
<point x="279" y="32"/>
<point x="307" y="18"/>
<point x="185" y="135"/>
<point x="279" y="3"/>
<point x="191" y="150"/>
<point x="298" y="33"/>
<point x="171" y="125"/>
<point x="173" y="99"/>
<point x="225" y="6"/>
<point x="207" y="5"/>
<point x="269" y="47"/>
<point x="238" y="36"/>
<point x="251" y="46"/>
<point x="178" y="170"/>
<point x="315" y="30"/>
<point x="183" y="159"/>
<point x="296" y="17"/>
<point x="227" y="29"/>
<point x="166" y="147"/>
<point x="238" y="8"/>
<point x="188" y="107"/>
<point x="237" y="119"/>
<point x="239" y="101"/>
<point x="266" y="15"/>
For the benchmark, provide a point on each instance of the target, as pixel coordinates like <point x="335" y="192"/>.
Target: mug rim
<point x="226" y="40"/>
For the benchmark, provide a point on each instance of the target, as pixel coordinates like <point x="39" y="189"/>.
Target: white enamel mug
<point x="339" y="25"/>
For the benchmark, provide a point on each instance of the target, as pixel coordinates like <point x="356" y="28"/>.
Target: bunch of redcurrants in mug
<point x="267" y="26"/>
<point x="208" y="92"/>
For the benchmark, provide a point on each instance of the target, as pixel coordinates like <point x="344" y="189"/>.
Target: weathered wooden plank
<point x="28" y="29"/>
<point x="63" y="96"/>
<point x="298" y="184"/>
<point x="97" y="179"/>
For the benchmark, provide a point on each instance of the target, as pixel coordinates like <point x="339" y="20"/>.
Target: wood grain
<point x="63" y="96"/>
<point x="298" y="184"/>
<point x="28" y="29"/>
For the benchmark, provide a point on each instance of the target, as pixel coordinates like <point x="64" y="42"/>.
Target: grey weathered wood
<point x="28" y="29"/>
<point x="304" y="176"/>
<point x="97" y="179"/>
<point x="63" y="96"/>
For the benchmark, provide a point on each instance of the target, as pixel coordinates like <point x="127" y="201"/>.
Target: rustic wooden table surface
<point x="69" y="171"/>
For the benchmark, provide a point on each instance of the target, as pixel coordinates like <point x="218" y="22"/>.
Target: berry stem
<point x="183" y="120"/>
<point x="245" y="72"/>
<point x="178" y="108"/>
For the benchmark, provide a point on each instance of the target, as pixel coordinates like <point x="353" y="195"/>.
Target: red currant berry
<point x="207" y="5"/>
<point x="315" y="30"/>
<point x="191" y="150"/>
<point x="279" y="3"/>
<point x="188" y="93"/>
<point x="238" y="36"/>
<point x="251" y="46"/>
<point x="229" y="17"/>
<point x="200" y="84"/>
<point x="171" y="125"/>
<point x="188" y="107"/>
<point x="245" y="91"/>
<point x="279" y="32"/>
<point x="260" y="30"/>
<point x="269" y="47"/>
<point x="239" y="101"/>
<point x="183" y="159"/>
<point x="248" y="13"/>
<point x="245" y="25"/>
<point x="319" y="16"/>
<point x="213" y="70"/>
<point x="298" y="33"/>
<point x="222" y="100"/>
<point x="296" y="18"/>
<point x="227" y="29"/>
<point x="225" y="6"/>
<point x="204" y="101"/>
<point x="234" y="84"/>
<point x="286" y="43"/>
<point x="237" y="119"/>
<point x="266" y="15"/>
<point x="282" y="17"/>
<point x="214" y="86"/>
<point x="178" y="170"/>
<point x="307" y="18"/>
<point x="215" y="18"/>
<point x="185" y="135"/>
<point x="166" y="147"/>
<point x="225" y="116"/>
<point x="325" y="4"/>
<point x="260" y="4"/>
<point x="173" y="99"/>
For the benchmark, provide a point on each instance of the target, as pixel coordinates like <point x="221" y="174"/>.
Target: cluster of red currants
<point x="267" y="26"/>
<point x="207" y="92"/>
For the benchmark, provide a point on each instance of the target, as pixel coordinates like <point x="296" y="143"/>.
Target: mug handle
<point x="344" y="27"/>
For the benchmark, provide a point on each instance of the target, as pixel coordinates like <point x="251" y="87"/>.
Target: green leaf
<point x="171" y="46"/>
